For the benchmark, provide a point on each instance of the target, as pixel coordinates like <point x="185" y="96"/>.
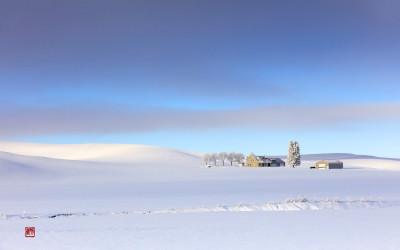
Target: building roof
<point x="264" y="159"/>
<point x="276" y="159"/>
<point x="333" y="161"/>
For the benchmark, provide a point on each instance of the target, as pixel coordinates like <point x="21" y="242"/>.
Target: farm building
<point x="262" y="161"/>
<point x="328" y="164"/>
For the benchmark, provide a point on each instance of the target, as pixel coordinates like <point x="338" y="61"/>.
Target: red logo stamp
<point x="29" y="231"/>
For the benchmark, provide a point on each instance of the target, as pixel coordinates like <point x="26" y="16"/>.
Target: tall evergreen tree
<point x="297" y="154"/>
<point x="290" y="159"/>
<point x="293" y="158"/>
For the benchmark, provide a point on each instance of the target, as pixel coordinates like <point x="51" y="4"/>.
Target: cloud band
<point x="21" y="122"/>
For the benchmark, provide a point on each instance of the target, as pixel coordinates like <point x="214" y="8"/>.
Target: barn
<point x="328" y="164"/>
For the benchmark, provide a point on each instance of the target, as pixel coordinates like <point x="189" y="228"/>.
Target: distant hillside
<point x="338" y="156"/>
<point x="140" y="161"/>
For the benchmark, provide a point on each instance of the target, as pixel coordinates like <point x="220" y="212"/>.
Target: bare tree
<point x="214" y="158"/>
<point x="222" y="157"/>
<point x="205" y="158"/>
<point x="231" y="157"/>
<point x="239" y="157"/>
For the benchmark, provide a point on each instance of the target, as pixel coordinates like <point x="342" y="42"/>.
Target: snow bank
<point x="300" y="203"/>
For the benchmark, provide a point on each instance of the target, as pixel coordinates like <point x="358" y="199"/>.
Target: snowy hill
<point x="339" y="156"/>
<point x="130" y="153"/>
<point x="93" y="163"/>
<point x="352" y="161"/>
<point x="74" y="194"/>
<point x="116" y="163"/>
<point x="117" y="153"/>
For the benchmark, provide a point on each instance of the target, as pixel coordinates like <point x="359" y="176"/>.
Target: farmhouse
<point x="324" y="164"/>
<point x="262" y="161"/>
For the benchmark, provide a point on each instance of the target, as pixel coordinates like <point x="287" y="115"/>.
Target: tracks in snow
<point x="297" y="204"/>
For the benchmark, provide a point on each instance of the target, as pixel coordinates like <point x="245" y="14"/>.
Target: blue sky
<point x="203" y="75"/>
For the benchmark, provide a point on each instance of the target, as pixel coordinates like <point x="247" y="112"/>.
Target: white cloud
<point x="20" y="122"/>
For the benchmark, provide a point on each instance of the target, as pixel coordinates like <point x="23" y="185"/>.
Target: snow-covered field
<point x="99" y="196"/>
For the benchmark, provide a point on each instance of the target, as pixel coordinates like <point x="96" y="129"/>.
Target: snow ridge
<point x="292" y="204"/>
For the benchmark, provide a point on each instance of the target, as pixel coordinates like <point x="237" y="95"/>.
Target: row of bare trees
<point x="222" y="157"/>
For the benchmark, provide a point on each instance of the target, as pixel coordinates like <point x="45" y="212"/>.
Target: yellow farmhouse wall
<point x="251" y="162"/>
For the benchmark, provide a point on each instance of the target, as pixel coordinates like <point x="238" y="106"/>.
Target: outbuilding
<point x="329" y="164"/>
